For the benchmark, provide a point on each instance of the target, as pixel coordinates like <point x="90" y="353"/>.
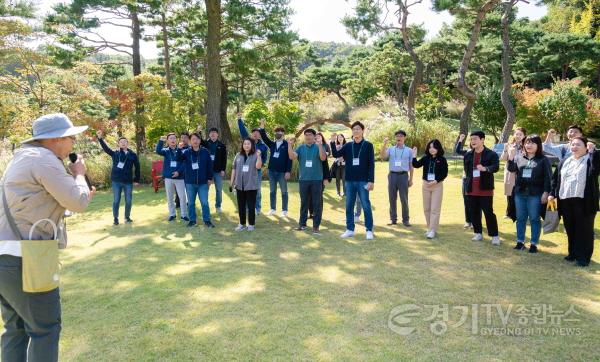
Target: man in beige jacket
<point x="37" y="186"/>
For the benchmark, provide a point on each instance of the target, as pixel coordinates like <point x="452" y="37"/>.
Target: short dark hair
<point x="479" y="134"/>
<point x="196" y="134"/>
<point x="574" y="126"/>
<point x="255" y="129"/>
<point x="533" y="138"/>
<point x="252" y="146"/>
<point x="310" y="130"/>
<point x="185" y="134"/>
<point x="400" y="132"/>
<point x="279" y="129"/>
<point x="213" y="129"/>
<point x="437" y="145"/>
<point x="357" y="123"/>
<point x="582" y="139"/>
<point x="122" y="138"/>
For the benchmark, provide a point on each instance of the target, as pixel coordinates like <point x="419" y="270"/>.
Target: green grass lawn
<point x="159" y="291"/>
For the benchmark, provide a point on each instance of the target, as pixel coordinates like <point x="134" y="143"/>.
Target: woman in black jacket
<point x="531" y="188"/>
<point x="435" y="172"/>
<point x="575" y="185"/>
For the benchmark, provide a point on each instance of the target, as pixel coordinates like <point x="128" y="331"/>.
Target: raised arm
<point x="103" y="144"/>
<point x="415" y="162"/>
<point x="383" y="154"/>
<point x="243" y="130"/>
<point x="322" y="153"/>
<point x="458" y="148"/>
<point x="263" y="135"/>
<point x="159" y="146"/>
<point x="291" y="152"/>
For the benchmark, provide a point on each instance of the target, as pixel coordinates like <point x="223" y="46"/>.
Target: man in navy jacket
<point x="198" y="171"/>
<point x="218" y="155"/>
<point x="173" y="184"/>
<point x="260" y="145"/>
<point x="122" y="176"/>
<point x="280" y="167"/>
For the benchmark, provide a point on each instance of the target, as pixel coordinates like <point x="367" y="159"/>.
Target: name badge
<point x="275" y="154"/>
<point x="173" y="163"/>
<point x="120" y="164"/>
<point x="308" y="164"/>
<point x="476" y="173"/>
<point x="431" y="177"/>
<point x="527" y="172"/>
<point x="245" y="168"/>
<point x="398" y="163"/>
<point x="355" y="161"/>
<point x="212" y="157"/>
<point x="195" y="166"/>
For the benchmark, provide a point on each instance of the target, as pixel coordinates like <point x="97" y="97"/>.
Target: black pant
<point x="510" y="204"/>
<point x="311" y="192"/>
<point x="477" y="204"/>
<point x="468" y="218"/>
<point x="580" y="228"/>
<point x="246" y="201"/>
<point x="311" y="206"/>
<point x="32" y="321"/>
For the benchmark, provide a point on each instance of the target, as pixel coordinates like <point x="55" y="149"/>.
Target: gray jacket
<point x="38" y="186"/>
<point x="245" y="180"/>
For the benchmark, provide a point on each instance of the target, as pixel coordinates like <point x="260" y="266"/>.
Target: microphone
<point x="73" y="158"/>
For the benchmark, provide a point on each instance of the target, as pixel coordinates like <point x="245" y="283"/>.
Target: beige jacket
<point x="509" y="177"/>
<point x="38" y="186"/>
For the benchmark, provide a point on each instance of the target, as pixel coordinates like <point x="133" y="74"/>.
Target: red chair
<point x="157" y="168"/>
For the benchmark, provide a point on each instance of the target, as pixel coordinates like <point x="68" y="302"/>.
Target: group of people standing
<point x="529" y="183"/>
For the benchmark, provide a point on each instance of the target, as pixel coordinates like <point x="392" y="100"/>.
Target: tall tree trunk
<point x="564" y="70"/>
<point x="224" y="129"/>
<point x="506" y="75"/>
<point x="213" y="64"/>
<point x="140" y="127"/>
<point x="463" y="88"/>
<point x="166" y="55"/>
<point x="343" y="100"/>
<point x="418" y="77"/>
<point x="399" y="91"/>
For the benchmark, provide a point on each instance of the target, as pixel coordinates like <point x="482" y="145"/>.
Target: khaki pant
<point x="432" y="204"/>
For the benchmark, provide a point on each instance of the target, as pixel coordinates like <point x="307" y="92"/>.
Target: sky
<point x="317" y="20"/>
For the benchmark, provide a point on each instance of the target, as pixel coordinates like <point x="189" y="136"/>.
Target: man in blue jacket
<point x="197" y="168"/>
<point x="280" y="167"/>
<point x="121" y="176"/>
<point x="260" y="145"/>
<point x="218" y="155"/>
<point x="359" y="156"/>
<point x="174" y="183"/>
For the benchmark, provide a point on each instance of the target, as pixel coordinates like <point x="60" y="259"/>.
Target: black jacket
<point x="440" y="169"/>
<point x="590" y="193"/>
<point x="541" y="175"/>
<point x="489" y="159"/>
<point x="220" y="153"/>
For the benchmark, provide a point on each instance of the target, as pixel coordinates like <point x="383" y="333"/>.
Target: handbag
<point x="40" y="271"/>
<point x="552" y="218"/>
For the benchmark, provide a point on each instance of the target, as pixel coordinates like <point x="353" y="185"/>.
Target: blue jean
<point x="354" y="188"/>
<point x="274" y="179"/>
<point x="218" y="180"/>
<point x="117" y="187"/>
<point x="259" y="194"/>
<point x="202" y="192"/>
<point x="528" y="207"/>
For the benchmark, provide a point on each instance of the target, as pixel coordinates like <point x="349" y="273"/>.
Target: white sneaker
<point x="271" y="212"/>
<point x="495" y="240"/>
<point x="250" y="228"/>
<point x="219" y="210"/>
<point x="240" y="227"/>
<point x="370" y="235"/>
<point x="467" y="225"/>
<point x="357" y="219"/>
<point x="283" y="214"/>
<point x="477" y="237"/>
<point x="347" y="234"/>
<point x="430" y="234"/>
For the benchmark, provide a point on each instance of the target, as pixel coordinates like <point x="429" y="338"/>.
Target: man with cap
<point x="260" y="145"/>
<point x="280" y="168"/>
<point x="37" y="186"/>
<point x="121" y="175"/>
<point x="218" y="155"/>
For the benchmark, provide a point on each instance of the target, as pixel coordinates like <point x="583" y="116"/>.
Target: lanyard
<point x="119" y="156"/>
<point x="359" y="150"/>
<point x="306" y="152"/>
<point x="173" y="153"/>
<point x="431" y="165"/>
<point x="401" y="155"/>
<point x="197" y="155"/>
<point x="480" y="157"/>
